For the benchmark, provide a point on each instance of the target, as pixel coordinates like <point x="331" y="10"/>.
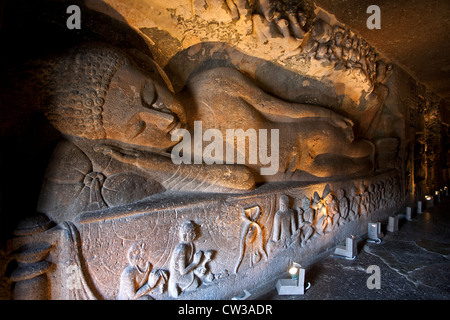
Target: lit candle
<point x="293" y="271"/>
<point x="294" y="286"/>
<point x="438" y="196"/>
<point x="374" y="232"/>
<point x="429" y="202"/>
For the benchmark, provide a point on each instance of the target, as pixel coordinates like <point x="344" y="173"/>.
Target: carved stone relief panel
<point x="190" y="250"/>
<point x="141" y="199"/>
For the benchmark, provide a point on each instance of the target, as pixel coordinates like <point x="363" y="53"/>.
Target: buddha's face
<point x="140" y="111"/>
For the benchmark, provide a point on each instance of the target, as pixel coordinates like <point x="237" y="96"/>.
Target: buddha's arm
<point x="281" y="111"/>
<point x="228" y="86"/>
<point x="235" y="83"/>
<point x="198" y="177"/>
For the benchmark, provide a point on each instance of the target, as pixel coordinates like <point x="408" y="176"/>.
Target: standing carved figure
<point x="383" y="193"/>
<point x="284" y="224"/>
<point x="372" y="200"/>
<point x="321" y="215"/>
<point x="251" y="237"/>
<point x="305" y="220"/>
<point x="343" y="205"/>
<point x="364" y="196"/>
<point x="355" y="202"/>
<point x="334" y="216"/>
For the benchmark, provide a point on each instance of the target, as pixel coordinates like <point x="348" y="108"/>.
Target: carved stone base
<point x="207" y="246"/>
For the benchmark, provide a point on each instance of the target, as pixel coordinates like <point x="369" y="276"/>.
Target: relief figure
<point x="320" y="206"/>
<point x="305" y="220"/>
<point x="343" y="205"/>
<point x="284" y="224"/>
<point x="364" y="196"/>
<point x="334" y="217"/>
<point x="251" y="238"/>
<point x="186" y="267"/>
<point x="354" y="204"/>
<point x="138" y="279"/>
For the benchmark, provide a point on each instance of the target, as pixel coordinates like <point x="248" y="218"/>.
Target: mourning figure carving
<point x="305" y="221"/>
<point x="343" y="205"/>
<point x="138" y="279"/>
<point x="251" y="238"/>
<point x="187" y="265"/>
<point x="334" y="216"/>
<point x="354" y="204"/>
<point x="284" y="224"/>
<point x="320" y="206"/>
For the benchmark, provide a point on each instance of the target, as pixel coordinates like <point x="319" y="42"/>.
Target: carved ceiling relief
<point x="141" y="215"/>
<point x="271" y="30"/>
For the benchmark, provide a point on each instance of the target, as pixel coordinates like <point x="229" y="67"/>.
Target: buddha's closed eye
<point x="148" y="93"/>
<point x="139" y="127"/>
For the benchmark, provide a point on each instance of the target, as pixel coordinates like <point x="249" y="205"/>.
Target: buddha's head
<point x="98" y="92"/>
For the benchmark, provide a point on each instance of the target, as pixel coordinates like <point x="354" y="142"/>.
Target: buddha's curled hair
<point x="74" y="88"/>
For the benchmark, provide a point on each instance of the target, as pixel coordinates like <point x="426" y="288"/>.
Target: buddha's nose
<point x="161" y="119"/>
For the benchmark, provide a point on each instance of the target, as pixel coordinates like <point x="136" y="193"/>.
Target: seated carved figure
<point x="185" y="267"/>
<point x="118" y="120"/>
<point x="138" y="279"/>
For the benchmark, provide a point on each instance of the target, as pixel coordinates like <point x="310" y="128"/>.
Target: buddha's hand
<point x="345" y="124"/>
<point x="124" y="155"/>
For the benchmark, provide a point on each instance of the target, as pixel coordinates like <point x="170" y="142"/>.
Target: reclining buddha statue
<point x="119" y="117"/>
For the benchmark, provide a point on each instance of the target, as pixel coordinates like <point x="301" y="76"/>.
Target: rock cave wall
<point x="295" y="53"/>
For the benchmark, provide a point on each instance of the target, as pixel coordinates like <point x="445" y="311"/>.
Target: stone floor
<point x="414" y="264"/>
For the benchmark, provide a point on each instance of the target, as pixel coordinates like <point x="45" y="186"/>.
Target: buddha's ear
<point x="164" y="77"/>
<point x="146" y="63"/>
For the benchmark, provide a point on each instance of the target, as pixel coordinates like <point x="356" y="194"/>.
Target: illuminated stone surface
<point x="352" y="138"/>
<point x="413" y="266"/>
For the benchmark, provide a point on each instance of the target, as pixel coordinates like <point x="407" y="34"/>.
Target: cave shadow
<point x="33" y="30"/>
